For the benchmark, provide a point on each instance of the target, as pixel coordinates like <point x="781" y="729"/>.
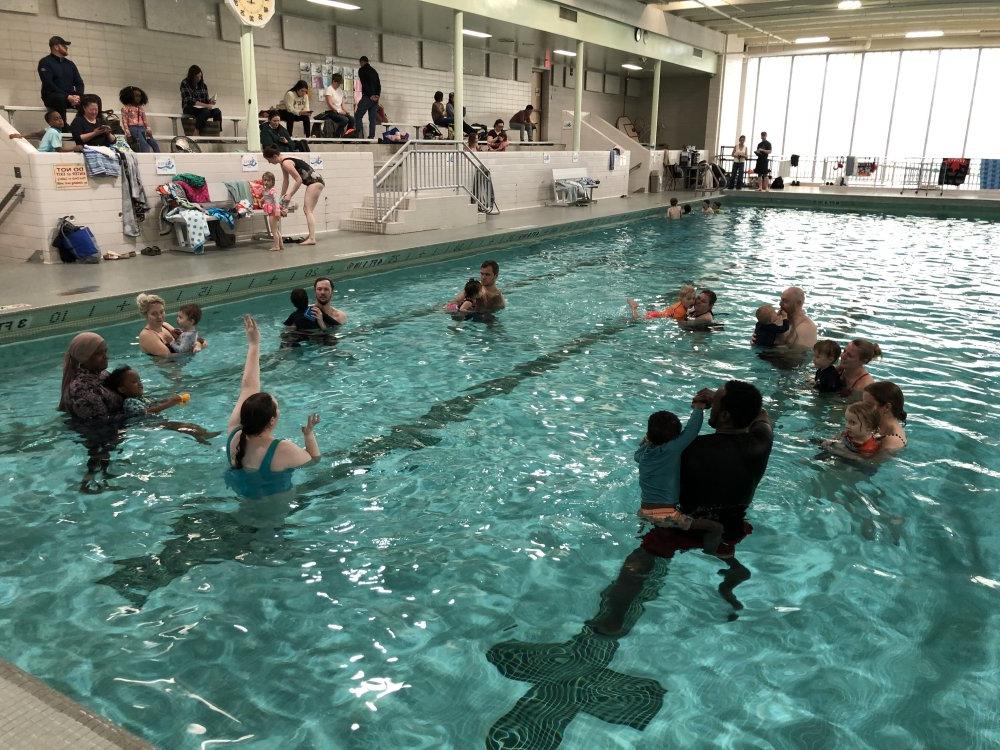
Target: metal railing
<point x="902" y="174"/>
<point x="14" y="196"/>
<point x="429" y="165"/>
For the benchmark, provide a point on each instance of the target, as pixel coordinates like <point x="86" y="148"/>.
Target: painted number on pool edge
<point x="11" y="325"/>
<point x="59" y="317"/>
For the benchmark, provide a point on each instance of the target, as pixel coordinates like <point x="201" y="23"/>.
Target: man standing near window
<point x="763" y="156"/>
<point x="62" y="85"/>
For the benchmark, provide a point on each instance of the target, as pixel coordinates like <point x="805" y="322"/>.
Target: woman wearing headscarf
<point x="93" y="407"/>
<point x="84" y="369"/>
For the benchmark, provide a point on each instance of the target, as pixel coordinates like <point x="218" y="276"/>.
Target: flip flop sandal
<point x="148" y="251"/>
<point x="111" y="256"/>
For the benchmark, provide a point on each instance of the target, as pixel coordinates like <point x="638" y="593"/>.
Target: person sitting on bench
<point x="196" y="102"/>
<point x="337" y="121"/>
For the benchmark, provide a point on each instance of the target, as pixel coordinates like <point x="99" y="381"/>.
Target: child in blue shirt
<point x="52" y="136"/>
<point x="126" y="382"/>
<point x="659" y="459"/>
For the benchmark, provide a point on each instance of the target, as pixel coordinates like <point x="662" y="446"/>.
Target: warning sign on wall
<point x="69" y="176"/>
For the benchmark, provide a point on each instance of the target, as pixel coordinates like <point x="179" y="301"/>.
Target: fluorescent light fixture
<point x="630" y="66"/>
<point x="336" y="4"/>
<point x="923" y="34"/>
<point x="477" y="34"/>
<point x="849" y="5"/>
<point x="564" y="52"/>
<point x="812" y="39"/>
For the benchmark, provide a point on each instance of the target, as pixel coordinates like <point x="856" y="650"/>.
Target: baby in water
<point x="770" y="324"/>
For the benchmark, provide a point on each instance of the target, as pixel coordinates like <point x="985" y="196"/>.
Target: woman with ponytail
<point x="887" y="399"/>
<point x="261" y="465"/>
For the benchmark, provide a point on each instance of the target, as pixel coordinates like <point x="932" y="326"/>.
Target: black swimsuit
<point x="306" y="173"/>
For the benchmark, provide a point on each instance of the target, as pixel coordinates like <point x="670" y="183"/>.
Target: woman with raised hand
<point x="261" y="465"/>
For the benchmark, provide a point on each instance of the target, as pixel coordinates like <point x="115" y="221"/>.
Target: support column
<point x="250" y="87"/>
<point x="457" y="66"/>
<point x="654" y="114"/>
<point x="581" y="73"/>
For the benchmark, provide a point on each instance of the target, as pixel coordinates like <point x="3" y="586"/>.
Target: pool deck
<point x="33" y="716"/>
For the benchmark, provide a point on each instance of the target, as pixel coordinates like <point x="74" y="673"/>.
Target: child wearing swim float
<point x="273" y="210"/>
<point x="678" y="311"/>
<point x="860" y="435"/>
<point x="659" y="459"/>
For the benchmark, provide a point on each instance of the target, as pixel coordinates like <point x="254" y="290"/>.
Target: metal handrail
<point x="14" y="196"/>
<point x="430" y="165"/>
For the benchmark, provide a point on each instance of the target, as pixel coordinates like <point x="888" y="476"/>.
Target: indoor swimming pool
<point x="430" y="584"/>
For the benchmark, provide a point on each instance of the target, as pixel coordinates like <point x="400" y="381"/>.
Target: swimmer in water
<point x="860" y="436"/>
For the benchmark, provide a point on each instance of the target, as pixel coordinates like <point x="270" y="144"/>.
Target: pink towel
<point x="195" y="195"/>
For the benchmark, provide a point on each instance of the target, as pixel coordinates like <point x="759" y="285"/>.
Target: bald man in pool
<point x="801" y="334"/>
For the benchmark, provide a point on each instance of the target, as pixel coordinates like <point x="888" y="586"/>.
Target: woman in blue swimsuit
<point x="261" y="465"/>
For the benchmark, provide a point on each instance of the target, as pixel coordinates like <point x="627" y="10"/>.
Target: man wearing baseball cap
<point x="62" y="85"/>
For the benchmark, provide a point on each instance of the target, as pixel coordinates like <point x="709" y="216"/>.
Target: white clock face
<point x="252" y="12"/>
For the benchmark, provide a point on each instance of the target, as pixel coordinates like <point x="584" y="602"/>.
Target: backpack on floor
<point x="75" y="243"/>
<point x="778" y="184"/>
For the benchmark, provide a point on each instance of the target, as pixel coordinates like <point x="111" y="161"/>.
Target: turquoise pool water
<point x="477" y="488"/>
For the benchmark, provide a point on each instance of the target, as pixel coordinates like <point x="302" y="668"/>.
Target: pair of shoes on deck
<point x="152" y="250"/>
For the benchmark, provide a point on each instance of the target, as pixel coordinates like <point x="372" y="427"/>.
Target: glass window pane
<point x="730" y="108"/>
<point x="983" y="142"/>
<point x="772" y="98"/>
<point x="871" y="124"/>
<point x="913" y="104"/>
<point x="749" y="97"/>
<point x="804" y="97"/>
<point x="838" y="104"/>
<point x="952" y="99"/>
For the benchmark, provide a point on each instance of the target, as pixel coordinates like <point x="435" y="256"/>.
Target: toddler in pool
<point x="860" y="435"/>
<point x="473" y="290"/>
<point x="126" y="382"/>
<point x="677" y="311"/>
<point x="770" y="325"/>
<point x="659" y="459"/>
<point x="826" y="352"/>
<point x="188" y="318"/>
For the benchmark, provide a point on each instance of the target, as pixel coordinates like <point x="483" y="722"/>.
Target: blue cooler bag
<point x="75" y="243"/>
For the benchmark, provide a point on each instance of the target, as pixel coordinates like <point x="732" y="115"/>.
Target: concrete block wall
<point x="111" y="56"/>
<point x="27" y="232"/>
<point x="522" y="179"/>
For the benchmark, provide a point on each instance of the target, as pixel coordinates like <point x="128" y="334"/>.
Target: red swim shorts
<point x="665" y="542"/>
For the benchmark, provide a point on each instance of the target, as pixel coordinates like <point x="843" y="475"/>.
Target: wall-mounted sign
<point x="316" y="161"/>
<point x="546" y="158"/>
<point x="250" y="163"/>
<point x="166" y="165"/>
<point x="576" y="156"/>
<point x="70" y="176"/>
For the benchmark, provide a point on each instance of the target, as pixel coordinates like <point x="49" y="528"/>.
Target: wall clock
<point x="252" y="12"/>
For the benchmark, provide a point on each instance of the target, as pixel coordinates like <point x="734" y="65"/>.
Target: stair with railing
<point x="425" y="185"/>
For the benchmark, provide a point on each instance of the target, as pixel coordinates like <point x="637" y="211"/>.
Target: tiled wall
<point x="110" y="56"/>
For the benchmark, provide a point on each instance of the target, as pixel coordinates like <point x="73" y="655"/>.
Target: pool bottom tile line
<point x="224" y="536"/>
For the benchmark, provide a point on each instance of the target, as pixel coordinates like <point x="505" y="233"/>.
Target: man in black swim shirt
<point x="719" y="475"/>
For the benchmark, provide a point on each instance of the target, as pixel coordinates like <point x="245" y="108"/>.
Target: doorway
<point x="540" y="94"/>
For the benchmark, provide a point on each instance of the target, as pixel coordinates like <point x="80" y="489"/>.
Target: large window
<point x="839" y="96"/>
<point x="917" y="74"/>
<point x="885" y="105"/>
<point x="750" y="97"/>
<point x="730" y="107"/>
<point x="805" y="95"/>
<point x="871" y="123"/>
<point x="772" y="100"/>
